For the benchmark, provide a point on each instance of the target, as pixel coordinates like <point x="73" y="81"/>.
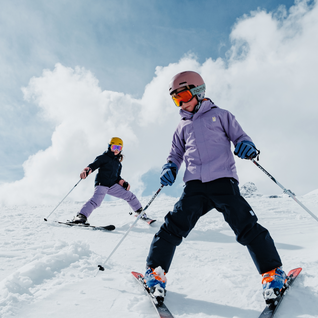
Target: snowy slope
<point x="48" y="270"/>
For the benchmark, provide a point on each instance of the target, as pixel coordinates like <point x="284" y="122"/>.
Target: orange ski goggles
<point x="186" y="95"/>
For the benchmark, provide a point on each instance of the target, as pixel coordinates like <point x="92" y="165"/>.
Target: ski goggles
<point x="116" y="147"/>
<point x="187" y="94"/>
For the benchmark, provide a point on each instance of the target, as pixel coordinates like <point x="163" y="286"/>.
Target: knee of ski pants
<point x="97" y="200"/>
<point x="171" y="238"/>
<point x="98" y="196"/>
<point x="241" y="218"/>
<point x="251" y="231"/>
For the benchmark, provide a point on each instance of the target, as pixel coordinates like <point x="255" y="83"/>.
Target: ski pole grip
<point x="88" y="171"/>
<point x="257" y="155"/>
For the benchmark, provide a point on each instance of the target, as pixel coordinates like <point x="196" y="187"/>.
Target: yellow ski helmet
<point x="116" y="141"/>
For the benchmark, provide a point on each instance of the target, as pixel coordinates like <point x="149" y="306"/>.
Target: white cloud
<point x="268" y="81"/>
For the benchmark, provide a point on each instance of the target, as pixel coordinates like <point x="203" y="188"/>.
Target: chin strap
<point x="197" y="107"/>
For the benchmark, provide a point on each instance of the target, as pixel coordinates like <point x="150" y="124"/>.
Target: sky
<point x="74" y="74"/>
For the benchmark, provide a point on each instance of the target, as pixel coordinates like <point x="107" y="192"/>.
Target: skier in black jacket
<point x="107" y="181"/>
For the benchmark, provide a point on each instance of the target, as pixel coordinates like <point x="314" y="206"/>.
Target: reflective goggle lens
<point x="186" y="95"/>
<point x="183" y="96"/>
<point x="116" y="147"/>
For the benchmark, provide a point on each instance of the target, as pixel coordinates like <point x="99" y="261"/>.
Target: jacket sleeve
<point x="100" y="160"/>
<point x="233" y="129"/>
<point x="177" y="149"/>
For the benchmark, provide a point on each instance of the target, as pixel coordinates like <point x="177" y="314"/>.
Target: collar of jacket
<point x="206" y="105"/>
<point x="110" y="154"/>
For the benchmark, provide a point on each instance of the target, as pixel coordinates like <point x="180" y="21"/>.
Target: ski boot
<point x="80" y="219"/>
<point x="274" y="283"/>
<point x="139" y="211"/>
<point x="156" y="281"/>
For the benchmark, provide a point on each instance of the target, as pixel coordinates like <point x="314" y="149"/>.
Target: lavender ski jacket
<point x="202" y="141"/>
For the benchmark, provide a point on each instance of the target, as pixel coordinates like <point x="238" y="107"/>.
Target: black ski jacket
<point x="109" y="169"/>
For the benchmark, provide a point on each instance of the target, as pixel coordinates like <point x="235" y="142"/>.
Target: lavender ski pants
<point x="116" y="191"/>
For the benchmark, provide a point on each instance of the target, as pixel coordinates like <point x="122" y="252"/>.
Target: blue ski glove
<point x="245" y="150"/>
<point x="168" y="174"/>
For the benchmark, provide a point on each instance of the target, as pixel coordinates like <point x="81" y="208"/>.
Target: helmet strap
<point x="197" y="107"/>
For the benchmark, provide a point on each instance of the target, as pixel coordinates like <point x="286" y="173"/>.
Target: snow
<point x="50" y="270"/>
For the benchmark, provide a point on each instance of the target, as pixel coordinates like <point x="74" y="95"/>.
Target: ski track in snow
<point x="49" y="270"/>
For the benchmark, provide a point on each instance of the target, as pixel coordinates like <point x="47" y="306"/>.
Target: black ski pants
<point x="196" y="200"/>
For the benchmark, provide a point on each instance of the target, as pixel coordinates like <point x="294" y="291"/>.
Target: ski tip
<point x="295" y="271"/>
<point x="136" y="274"/>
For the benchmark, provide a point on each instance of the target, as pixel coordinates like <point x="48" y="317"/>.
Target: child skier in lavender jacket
<point x="203" y="141"/>
<point x="107" y="181"/>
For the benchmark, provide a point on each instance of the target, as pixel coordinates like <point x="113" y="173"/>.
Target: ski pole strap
<point x="258" y="153"/>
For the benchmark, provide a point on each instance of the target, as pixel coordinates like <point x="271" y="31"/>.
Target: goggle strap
<point x="197" y="90"/>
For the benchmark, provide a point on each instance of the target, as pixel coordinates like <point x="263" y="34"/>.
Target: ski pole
<point x="101" y="267"/>
<point x="291" y="194"/>
<point x="45" y="219"/>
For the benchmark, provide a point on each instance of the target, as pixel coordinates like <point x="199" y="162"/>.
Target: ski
<point x="93" y="227"/>
<point x="270" y="310"/>
<point x="146" y="219"/>
<point x="162" y="309"/>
